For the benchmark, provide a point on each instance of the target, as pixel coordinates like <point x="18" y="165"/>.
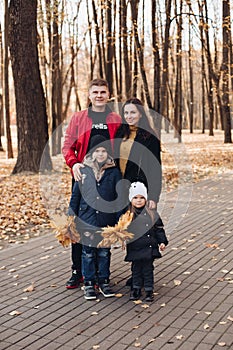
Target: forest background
<point x="175" y="55"/>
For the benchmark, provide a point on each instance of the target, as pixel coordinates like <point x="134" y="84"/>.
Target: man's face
<point x="98" y="96"/>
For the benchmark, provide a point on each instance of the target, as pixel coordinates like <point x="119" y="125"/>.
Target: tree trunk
<point x="97" y="33"/>
<point x="1" y="89"/>
<point x="134" y="10"/>
<point x="178" y="89"/>
<point x="191" y="102"/>
<point x="6" y="102"/>
<point x="90" y="43"/>
<point x="156" y="58"/>
<point x="210" y="76"/>
<point x="109" y="49"/>
<point x="164" y="83"/>
<point x="226" y="71"/>
<point x="120" y="53"/>
<point x="125" y="50"/>
<point x="118" y="91"/>
<point x="56" y="85"/>
<point x="32" y="125"/>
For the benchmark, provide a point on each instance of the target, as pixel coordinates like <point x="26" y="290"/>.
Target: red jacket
<point x="78" y="134"/>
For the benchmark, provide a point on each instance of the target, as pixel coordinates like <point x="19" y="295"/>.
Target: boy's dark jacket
<point x="93" y="201"/>
<point x="147" y="237"/>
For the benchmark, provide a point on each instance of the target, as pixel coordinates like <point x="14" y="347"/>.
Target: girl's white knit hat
<point x="137" y="188"/>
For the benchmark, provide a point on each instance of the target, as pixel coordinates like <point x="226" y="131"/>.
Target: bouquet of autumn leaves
<point x="65" y="230"/>
<point x="118" y="233"/>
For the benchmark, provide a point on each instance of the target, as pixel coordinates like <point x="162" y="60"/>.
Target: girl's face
<point x="132" y="114"/>
<point x="100" y="154"/>
<point x="138" y="201"/>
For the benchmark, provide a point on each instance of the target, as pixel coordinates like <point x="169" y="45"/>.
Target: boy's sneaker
<point x="105" y="289"/>
<point x="89" y="291"/>
<point x="135" y="294"/>
<point x="75" y="280"/>
<point x="149" y="296"/>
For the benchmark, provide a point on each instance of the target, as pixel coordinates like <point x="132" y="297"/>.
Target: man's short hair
<point x="98" y="82"/>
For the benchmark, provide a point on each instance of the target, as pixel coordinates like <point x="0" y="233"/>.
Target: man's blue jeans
<point x="96" y="264"/>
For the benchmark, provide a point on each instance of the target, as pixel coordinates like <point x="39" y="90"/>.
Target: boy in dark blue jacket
<point x="96" y="203"/>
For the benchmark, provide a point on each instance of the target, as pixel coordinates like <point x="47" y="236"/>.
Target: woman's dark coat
<point x="147" y="237"/>
<point x="144" y="162"/>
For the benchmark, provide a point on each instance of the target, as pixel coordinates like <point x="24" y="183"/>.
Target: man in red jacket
<point x="98" y="119"/>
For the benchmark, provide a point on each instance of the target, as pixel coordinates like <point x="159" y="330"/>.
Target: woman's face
<point x="132" y="114"/>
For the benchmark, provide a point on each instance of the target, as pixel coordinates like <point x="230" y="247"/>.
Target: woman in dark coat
<point x="137" y="150"/>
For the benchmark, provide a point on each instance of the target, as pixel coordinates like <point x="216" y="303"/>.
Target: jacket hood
<point x="98" y="171"/>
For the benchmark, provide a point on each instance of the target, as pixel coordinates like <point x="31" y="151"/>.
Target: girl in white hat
<point x="148" y="242"/>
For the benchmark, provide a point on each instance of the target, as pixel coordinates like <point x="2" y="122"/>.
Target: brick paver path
<point x="193" y="307"/>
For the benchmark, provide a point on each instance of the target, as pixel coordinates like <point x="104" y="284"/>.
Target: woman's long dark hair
<point x="143" y="125"/>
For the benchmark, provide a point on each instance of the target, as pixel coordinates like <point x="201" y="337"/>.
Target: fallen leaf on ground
<point x="145" y="306"/>
<point x="151" y="340"/>
<point x="119" y="295"/>
<point x="30" y="288"/>
<point x="230" y="318"/>
<point x="177" y="282"/>
<point x="137" y="302"/>
<point x="137" y="344"/>
<point x="14" y="313"/>
<point x="95" y="347"/>
<point x="222" y="344"/>
<point x="179" y="337"/>
<point x="12" y="270"/>
<point x="49" y="248"/>
<point x="209" y="245"/>
<point x="206" y="326"/>
<point x="44" y="257"/>
<point x="94" y="313"/>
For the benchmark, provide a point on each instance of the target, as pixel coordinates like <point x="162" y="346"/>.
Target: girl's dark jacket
<point x="94" y="199"/>
<point x="147" y="236"/>
<point x="144" y="163"/>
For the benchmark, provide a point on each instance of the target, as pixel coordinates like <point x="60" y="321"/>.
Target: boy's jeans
<point x="96" y="264"/>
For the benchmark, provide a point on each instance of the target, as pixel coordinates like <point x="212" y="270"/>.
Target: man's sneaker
<point x="149" y="296"/>
<point x="135" y="294"/>
<point x="74" y="280"/>
<point x="105" y="289"/>
<point x="89" y="291"/>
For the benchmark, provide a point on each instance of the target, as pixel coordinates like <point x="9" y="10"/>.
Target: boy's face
<point x="100" y="154"/>
<point x="98" y="96"/>
<point x="138" y="201"/>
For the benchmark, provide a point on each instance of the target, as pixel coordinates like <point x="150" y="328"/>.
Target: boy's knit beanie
<point x="137" y="188"/>
<point x="100" y="141"/>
